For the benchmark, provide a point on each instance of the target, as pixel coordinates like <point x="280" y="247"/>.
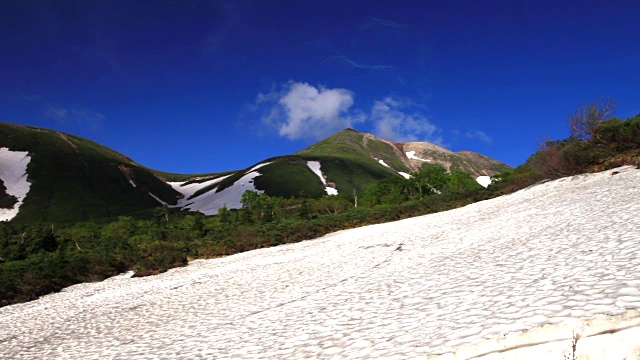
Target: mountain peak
<point x="402" y="157"/>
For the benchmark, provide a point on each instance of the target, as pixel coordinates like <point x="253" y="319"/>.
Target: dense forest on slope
<point x="40" y="258"/>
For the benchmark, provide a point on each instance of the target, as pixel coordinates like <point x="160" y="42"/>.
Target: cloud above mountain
<point x="301" y="110"/>
<point x="82" y="116"/>
<point x="402" y="121"/>
<point x="479" y="135"/>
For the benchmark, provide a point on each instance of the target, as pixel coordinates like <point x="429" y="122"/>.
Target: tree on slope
<point x="585" y="121"/>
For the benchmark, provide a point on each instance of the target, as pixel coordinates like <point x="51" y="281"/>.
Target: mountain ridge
<point x="75" y="179"/>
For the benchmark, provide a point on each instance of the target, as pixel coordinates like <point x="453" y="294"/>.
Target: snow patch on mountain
<point x="157" y="198"/>
<point x="484" y="180"/>
<point x="404" y="174"/>
<point x="210" y="202"/>
<point x="13" y="172"/>
<point x="315" y="167"/>
<point x="383" y="163"/>
<point x="189" y="189"/>
<point x="412" y="155"/>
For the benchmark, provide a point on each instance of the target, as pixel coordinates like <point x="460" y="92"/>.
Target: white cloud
<point x="402" y="121"/>
<point x="480" y="135"/>
<point x="304" y="111"/>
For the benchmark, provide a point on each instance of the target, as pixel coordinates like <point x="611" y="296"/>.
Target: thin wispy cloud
<point x="401" y="121"/>
<point x="78" y="116"/>
<point x="479" y="135"/>
<point x="357" y="65"/>
<point x="301" y="110"/>
<point x="61" y="114"/>
<point x="384" y="22"/>
<point x="227" y="17"/>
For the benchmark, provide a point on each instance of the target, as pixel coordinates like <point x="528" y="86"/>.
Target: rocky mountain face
<point x="410" y="156"/>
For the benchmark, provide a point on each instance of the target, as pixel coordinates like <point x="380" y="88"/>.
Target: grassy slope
<point x="289" y="176"/>
<point x="75" y="179"/>
<point x="383" y="151"/>
<point x="348" y="163"/>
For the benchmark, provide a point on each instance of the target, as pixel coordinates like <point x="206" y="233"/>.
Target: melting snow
<point x="258" y="166"/>
<point x="315" y="167"/>
<point x="13" y="172"/>
<point x="484" y="180"/>
<point x="132" y="183"/>
<point x="555" y="254"/>
<point x="383" y="163"/>
<point x="190" y="189"/>
<point x="331" y="191"/>
<point x="412" y="155"/>
<point x="404" y="174"/>
<point x="231" y="197"/>
<point x="157" y="198"/>
<point x="210" y="202"/>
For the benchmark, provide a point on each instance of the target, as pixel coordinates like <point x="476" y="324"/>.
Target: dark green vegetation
<point x="37" y="257"/>
<point x="6" y="201"/>
<point x="74" y="179"/>
<point x="610" y="143"/>
<point x="276" y="178"/>
<point x="41" y="258"/>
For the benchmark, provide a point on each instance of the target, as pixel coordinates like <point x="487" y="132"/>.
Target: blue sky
<point x="206" y="86"/>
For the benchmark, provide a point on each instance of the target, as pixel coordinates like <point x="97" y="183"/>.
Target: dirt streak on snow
<point x="13" y="172"/>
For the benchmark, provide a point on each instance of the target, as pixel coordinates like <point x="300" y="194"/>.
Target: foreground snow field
<point x="479" y="280"/>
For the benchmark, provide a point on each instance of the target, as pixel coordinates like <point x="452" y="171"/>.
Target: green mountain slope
<point x="75" y="179"/>
<point x="401" y="157"/>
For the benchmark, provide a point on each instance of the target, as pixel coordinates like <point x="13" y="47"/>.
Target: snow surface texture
<point x="412" y="155"/>
<point x="315" y="167"/>
<point x="555" y="254"/>
<point x="210" y="202"/>
<point x="13" y="172"/>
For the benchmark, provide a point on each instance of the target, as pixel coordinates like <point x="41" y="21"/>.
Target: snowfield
<point x="506" y="278"/>
<point x="210" y="202"/>
<point x="13" y="172"/>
